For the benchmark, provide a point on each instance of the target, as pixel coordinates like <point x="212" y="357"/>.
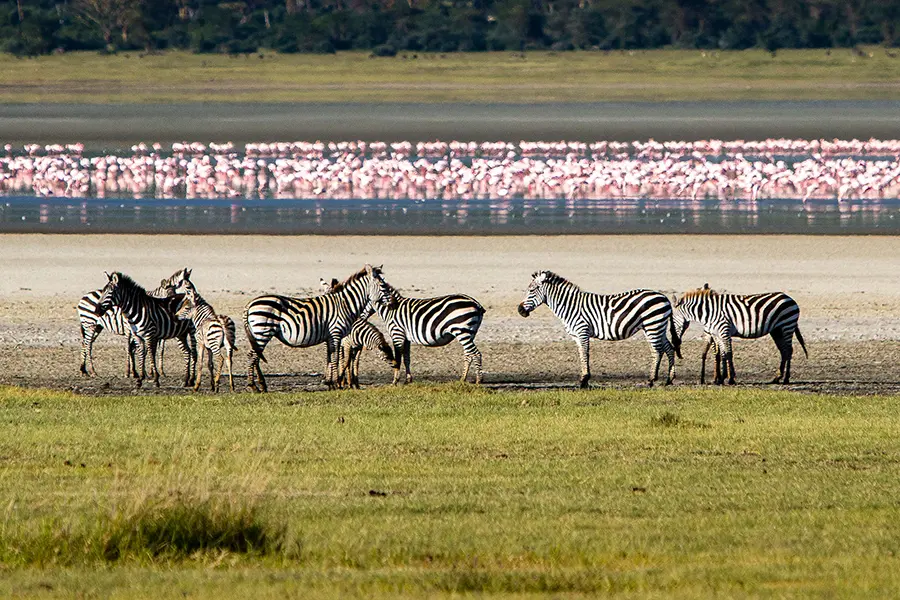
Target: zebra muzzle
<point x="523" y="311"/>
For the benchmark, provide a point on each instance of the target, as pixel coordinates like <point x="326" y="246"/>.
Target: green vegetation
<point x="485" y="77"/>
<point x="437" y="490"/>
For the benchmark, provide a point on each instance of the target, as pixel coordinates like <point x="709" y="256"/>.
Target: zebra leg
<point x="334" y="356"/>
<point x="142" y="358"/>
<point x="406" y="347"/>
<point x="354" y="367"/>
<point x="88" y="335"/>
<point x="221" y="367"/>
<point x="670" y="353"/>
<point x="584" y="353"/>
<point x="153" y="370"/>
<point x="471" y="353"/>
<point x="709" y="343"/>
<point x="199" y="376"/>
<point x="654" y="365"/>
<point x="187" y="344"/>
<point x="213" y="380"/>
<point x="131" y="362"/>
<point x="728" y="364"/>
<point x="228" y="361"/>
<point x="398" y="357"/>
<point x="161" y="351"/>
<point x="786" y="349"/>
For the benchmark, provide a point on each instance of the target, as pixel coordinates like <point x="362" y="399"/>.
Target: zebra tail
<point x="800" y="339"/>
<point x="252" y="339"/>
<point x="676" y="339"/>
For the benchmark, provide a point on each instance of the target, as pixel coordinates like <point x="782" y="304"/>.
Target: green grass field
<point x="655" y="75"/>
<point x="442" y="490"/>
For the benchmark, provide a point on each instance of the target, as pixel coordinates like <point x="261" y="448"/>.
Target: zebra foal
<point x="728" y="316"/>
<point x="431" y="322"/>
<point x="363" y="336"/>
<point x="606" y="317"/>
<point x="305" y="322"/>
<point x="150" y="320"/>
<point x="215" y="336"/>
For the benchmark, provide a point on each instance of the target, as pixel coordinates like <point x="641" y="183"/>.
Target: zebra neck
<point x="559" y="297"/>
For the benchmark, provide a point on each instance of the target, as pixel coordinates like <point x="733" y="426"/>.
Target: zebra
<point x="606" y="317"/>
<point x="363" y="336"/>
<point x="304" y="322"/>
<point x="93" y="324"/>
<point x="215" y="335"/>
<point x="175" y="280"/>
<point x="727" y="316"/>
<point x="431" y="322"/>
<point x="150" y="320"/>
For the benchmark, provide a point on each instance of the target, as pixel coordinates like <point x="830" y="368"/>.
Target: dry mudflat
<point x="847" y="287"/>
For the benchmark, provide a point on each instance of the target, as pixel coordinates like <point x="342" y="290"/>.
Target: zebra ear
<point x="334" y="282"/>
<point x="705" y="286"/>
<point x="368" y="269"/>
<point x="114" y="277"/>
<point x="535" y="274"/>
<point x="187" y="273"/>
<point x="108" y="276"/>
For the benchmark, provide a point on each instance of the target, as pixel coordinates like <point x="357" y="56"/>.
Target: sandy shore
<point x="847" y="288"/>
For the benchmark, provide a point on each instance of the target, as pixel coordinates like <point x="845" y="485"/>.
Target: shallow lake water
<point x="457" y="217"/>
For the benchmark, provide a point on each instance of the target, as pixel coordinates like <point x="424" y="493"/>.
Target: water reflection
<point x="555" y="216"/>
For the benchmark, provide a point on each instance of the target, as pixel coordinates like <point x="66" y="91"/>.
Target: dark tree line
<point x="388" y="26"/>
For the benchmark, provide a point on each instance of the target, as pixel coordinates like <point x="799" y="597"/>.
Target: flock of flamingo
<point x="737" y="170"/>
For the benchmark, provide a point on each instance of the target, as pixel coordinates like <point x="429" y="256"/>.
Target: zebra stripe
<point x="727" y="316"/>
<point x="215" y="335"/>
<point x="431" y="322"/>
<point x="606" y="317"/>
<point x="304" y="322"/>
<point x="92" y="324"/>
<point x="150" y="319"/>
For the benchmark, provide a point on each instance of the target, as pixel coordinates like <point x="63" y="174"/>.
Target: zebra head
<point x="188" y="301"/>
<point x="381" y="293"/>
<point x="536" y="294"/>
<point x="109" y="295"/>
<point x="178" y="278"/>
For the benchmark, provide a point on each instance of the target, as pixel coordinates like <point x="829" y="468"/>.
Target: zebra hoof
<point x="583" y="384"/>
<point x="668" y="382"/>
<point x="776" y="380"/>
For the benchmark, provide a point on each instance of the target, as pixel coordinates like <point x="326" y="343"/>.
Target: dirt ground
<point x="847" y="288"/>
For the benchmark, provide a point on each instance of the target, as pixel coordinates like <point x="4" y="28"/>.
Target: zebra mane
<point x="551" y="277"/>
<point x="355" y="277"/>
<point x="128" y="283"/>
<point x="704" y="292"/>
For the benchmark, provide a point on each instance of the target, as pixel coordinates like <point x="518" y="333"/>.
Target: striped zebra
<point x="215" y="335"/>
<point x="92" y="324"/>
<point x="431" y="322"/>
<point x="727" y="316"/>
<point x="150" y="319"/>
<point x="363" y="336"/>
<point x="305" y="322"/>
<point x="606" y="317"/>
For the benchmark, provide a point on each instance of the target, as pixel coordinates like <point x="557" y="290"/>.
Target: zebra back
<point x="428" y="321"/>
<point x="746" y="316"/>
<point x="606" y="316"/>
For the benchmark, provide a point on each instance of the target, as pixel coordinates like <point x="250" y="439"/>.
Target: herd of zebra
<point x="338" y="317"/>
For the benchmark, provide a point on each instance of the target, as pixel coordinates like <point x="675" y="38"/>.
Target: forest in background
<point x="32" y="27"/>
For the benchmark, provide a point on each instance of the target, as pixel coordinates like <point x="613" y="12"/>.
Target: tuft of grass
<point x="172" y="516"/>
<point x="670" y="419"/>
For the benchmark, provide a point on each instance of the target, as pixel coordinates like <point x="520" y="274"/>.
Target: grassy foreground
<point x="439" y="490"/>
<point x="649" y="75"/>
